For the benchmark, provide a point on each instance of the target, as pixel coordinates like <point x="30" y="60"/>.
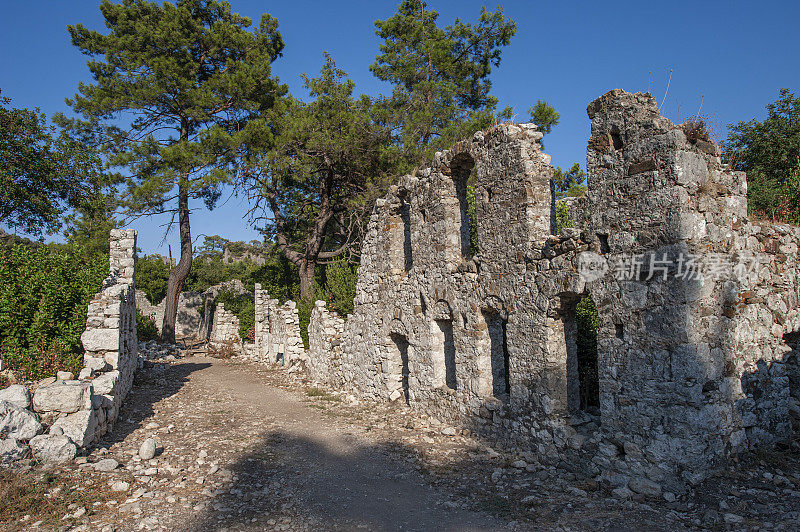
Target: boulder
<point x="78" y="427"/>
<point x="12" y="450"/>
<point x="16" y="394"/>
<point x="17" y="423"/>
<point x="51" y="448"/>
<point x="64" y="396"/>
<point x="64" y="376"/>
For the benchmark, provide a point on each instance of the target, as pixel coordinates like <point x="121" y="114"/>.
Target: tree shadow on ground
<point x="333" y="485"/>
<point x="152" y="383"/>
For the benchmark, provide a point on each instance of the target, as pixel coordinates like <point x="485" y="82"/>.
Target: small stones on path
<point x="106" y="464"/>
<point x="147" y="449"/>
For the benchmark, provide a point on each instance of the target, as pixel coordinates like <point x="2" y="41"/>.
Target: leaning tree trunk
<point x="179" y="273"/>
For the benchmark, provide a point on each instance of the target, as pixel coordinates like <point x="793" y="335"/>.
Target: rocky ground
<point x="241" y="446"/>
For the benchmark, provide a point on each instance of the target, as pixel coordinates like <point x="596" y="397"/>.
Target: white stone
<point x="120" y="486"/>
<point x="63" y="397"/>
<point x="106" y="464"/>
<point x="17" y="423"/>
<point x="64" y="376"/>
<point x="78" y="427"/>
<point x="147" y="449"/>
<point x="100" y="339"/>
<point x="12" y="450"/>
<point x="16" y="394"/>
<point x="52" y="448"/>
<point x="106" y="384"/>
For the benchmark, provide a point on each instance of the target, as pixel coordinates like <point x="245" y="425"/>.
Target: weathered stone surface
<point x="63" y="397"/>
<point x="100" y="339"/>
<point x="17" y="423"/>
<point x="78" y="427"/>
<point x="12" y="450"/>
<point x="147" y="449"/>
<point x="54" y="449"/>
<point x="64" y="376"/>
<point x="106" y="384"/>
<point x="106" y="464"/>
<point x="16" y="394"/>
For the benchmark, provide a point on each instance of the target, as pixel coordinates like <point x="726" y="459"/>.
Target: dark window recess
<point x="405" y="214"/>
<point x="449" y="348"/>
<point x="401" y="343"/>
<point x="604" y="247"/>
<point x="616" y="139"/>
<point x="461" y="168"/>
<point x="619" y="330"/>
<point x="501" y="383"/>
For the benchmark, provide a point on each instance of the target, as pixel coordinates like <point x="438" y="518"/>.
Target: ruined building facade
<point x="696" y="304"/>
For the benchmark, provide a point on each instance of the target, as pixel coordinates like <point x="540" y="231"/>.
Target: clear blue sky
<point x="736" y="53"/>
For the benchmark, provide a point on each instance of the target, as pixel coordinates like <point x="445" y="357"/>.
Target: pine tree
<point x="176" y="87"/>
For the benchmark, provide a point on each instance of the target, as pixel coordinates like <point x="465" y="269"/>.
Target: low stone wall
<point x="225" y="328"/>
<point x="325" y="344"/>
<point x="277" y="332"/>
<point x="80" y="411"/>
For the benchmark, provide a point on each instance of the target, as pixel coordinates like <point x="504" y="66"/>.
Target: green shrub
<point x="588" y="321"/>
<point x="146" y="329"/>
<point x="44" y="293"/>
<point x="152" y="274"/>
<point x="340" y="287"/>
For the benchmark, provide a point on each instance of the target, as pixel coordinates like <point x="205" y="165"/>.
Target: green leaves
<point x="41" y="172"/>
<point x="769" y="152"/>
<point x="176" y="86"/>
<point x="544" y="116"/>
<point x="440" y="75"/>
<point x="44" y="293"/>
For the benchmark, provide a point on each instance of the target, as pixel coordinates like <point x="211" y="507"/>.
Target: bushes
<point x="338" y="290"/>
<point x="151" y="277"/>
<point x="146" y="329"/>
<point x="588" y="322"/>
<point x="44" y="293"/>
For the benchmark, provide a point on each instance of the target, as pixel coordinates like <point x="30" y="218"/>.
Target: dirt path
<point x="331" y="472"/>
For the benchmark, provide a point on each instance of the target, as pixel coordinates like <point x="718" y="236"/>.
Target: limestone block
<point x="78" y="427"/>
<point x="53" y="449"/>
<point x="106" y="384"/>
<point x="63" y="397"/>
<point x="12" y="450"/>
<point x="100" y="339"/>
<point x="17" y="423"/>
<point x="16" y="394"/>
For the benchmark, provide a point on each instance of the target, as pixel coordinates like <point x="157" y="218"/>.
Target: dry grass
<point x="322" y="394"/>
<point x="42" y="496"/>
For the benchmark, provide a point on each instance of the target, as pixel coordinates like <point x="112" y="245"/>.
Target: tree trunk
<point x="179" y="273"/>
<point x="306" y="270"/>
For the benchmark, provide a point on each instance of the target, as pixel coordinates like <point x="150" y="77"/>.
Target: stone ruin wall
<point x="690" y="370"/>
<point x="225" y="329"/>
<point x="78" y="411"/>
<point x="277" y="332"/>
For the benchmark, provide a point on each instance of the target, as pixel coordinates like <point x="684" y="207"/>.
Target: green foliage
<point x="312" y="182"/>
<point x="186" y="79"/>
<point x="339" y="289"/>
<point x="472" y="216"/>
<point x="40" y="172"/>
<point x="440" y="76"/>
<point x="151" y="277"/>
<point x="544" y="116"/>
<point x="44" y="294"/>
<point x="146" y="329"/>
<point x="588" y="321"/>
<point x="569" y="183"/>
<point x="769" y="151"/>
<point x="563" y="217"/>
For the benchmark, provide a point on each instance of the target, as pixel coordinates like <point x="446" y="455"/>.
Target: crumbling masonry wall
<point x="277" y="332"/>
<point x="690" y="368"/>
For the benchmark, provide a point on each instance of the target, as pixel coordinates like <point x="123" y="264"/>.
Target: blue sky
<point x="734" y="55"/>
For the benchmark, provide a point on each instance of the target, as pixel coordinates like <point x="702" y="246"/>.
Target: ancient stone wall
<point x="694" y="302"/>
<point x="225" y="329"/>
<point x="325" y="344"/>
<point x="79" y="411"/>
<point x="277" y="332"/>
